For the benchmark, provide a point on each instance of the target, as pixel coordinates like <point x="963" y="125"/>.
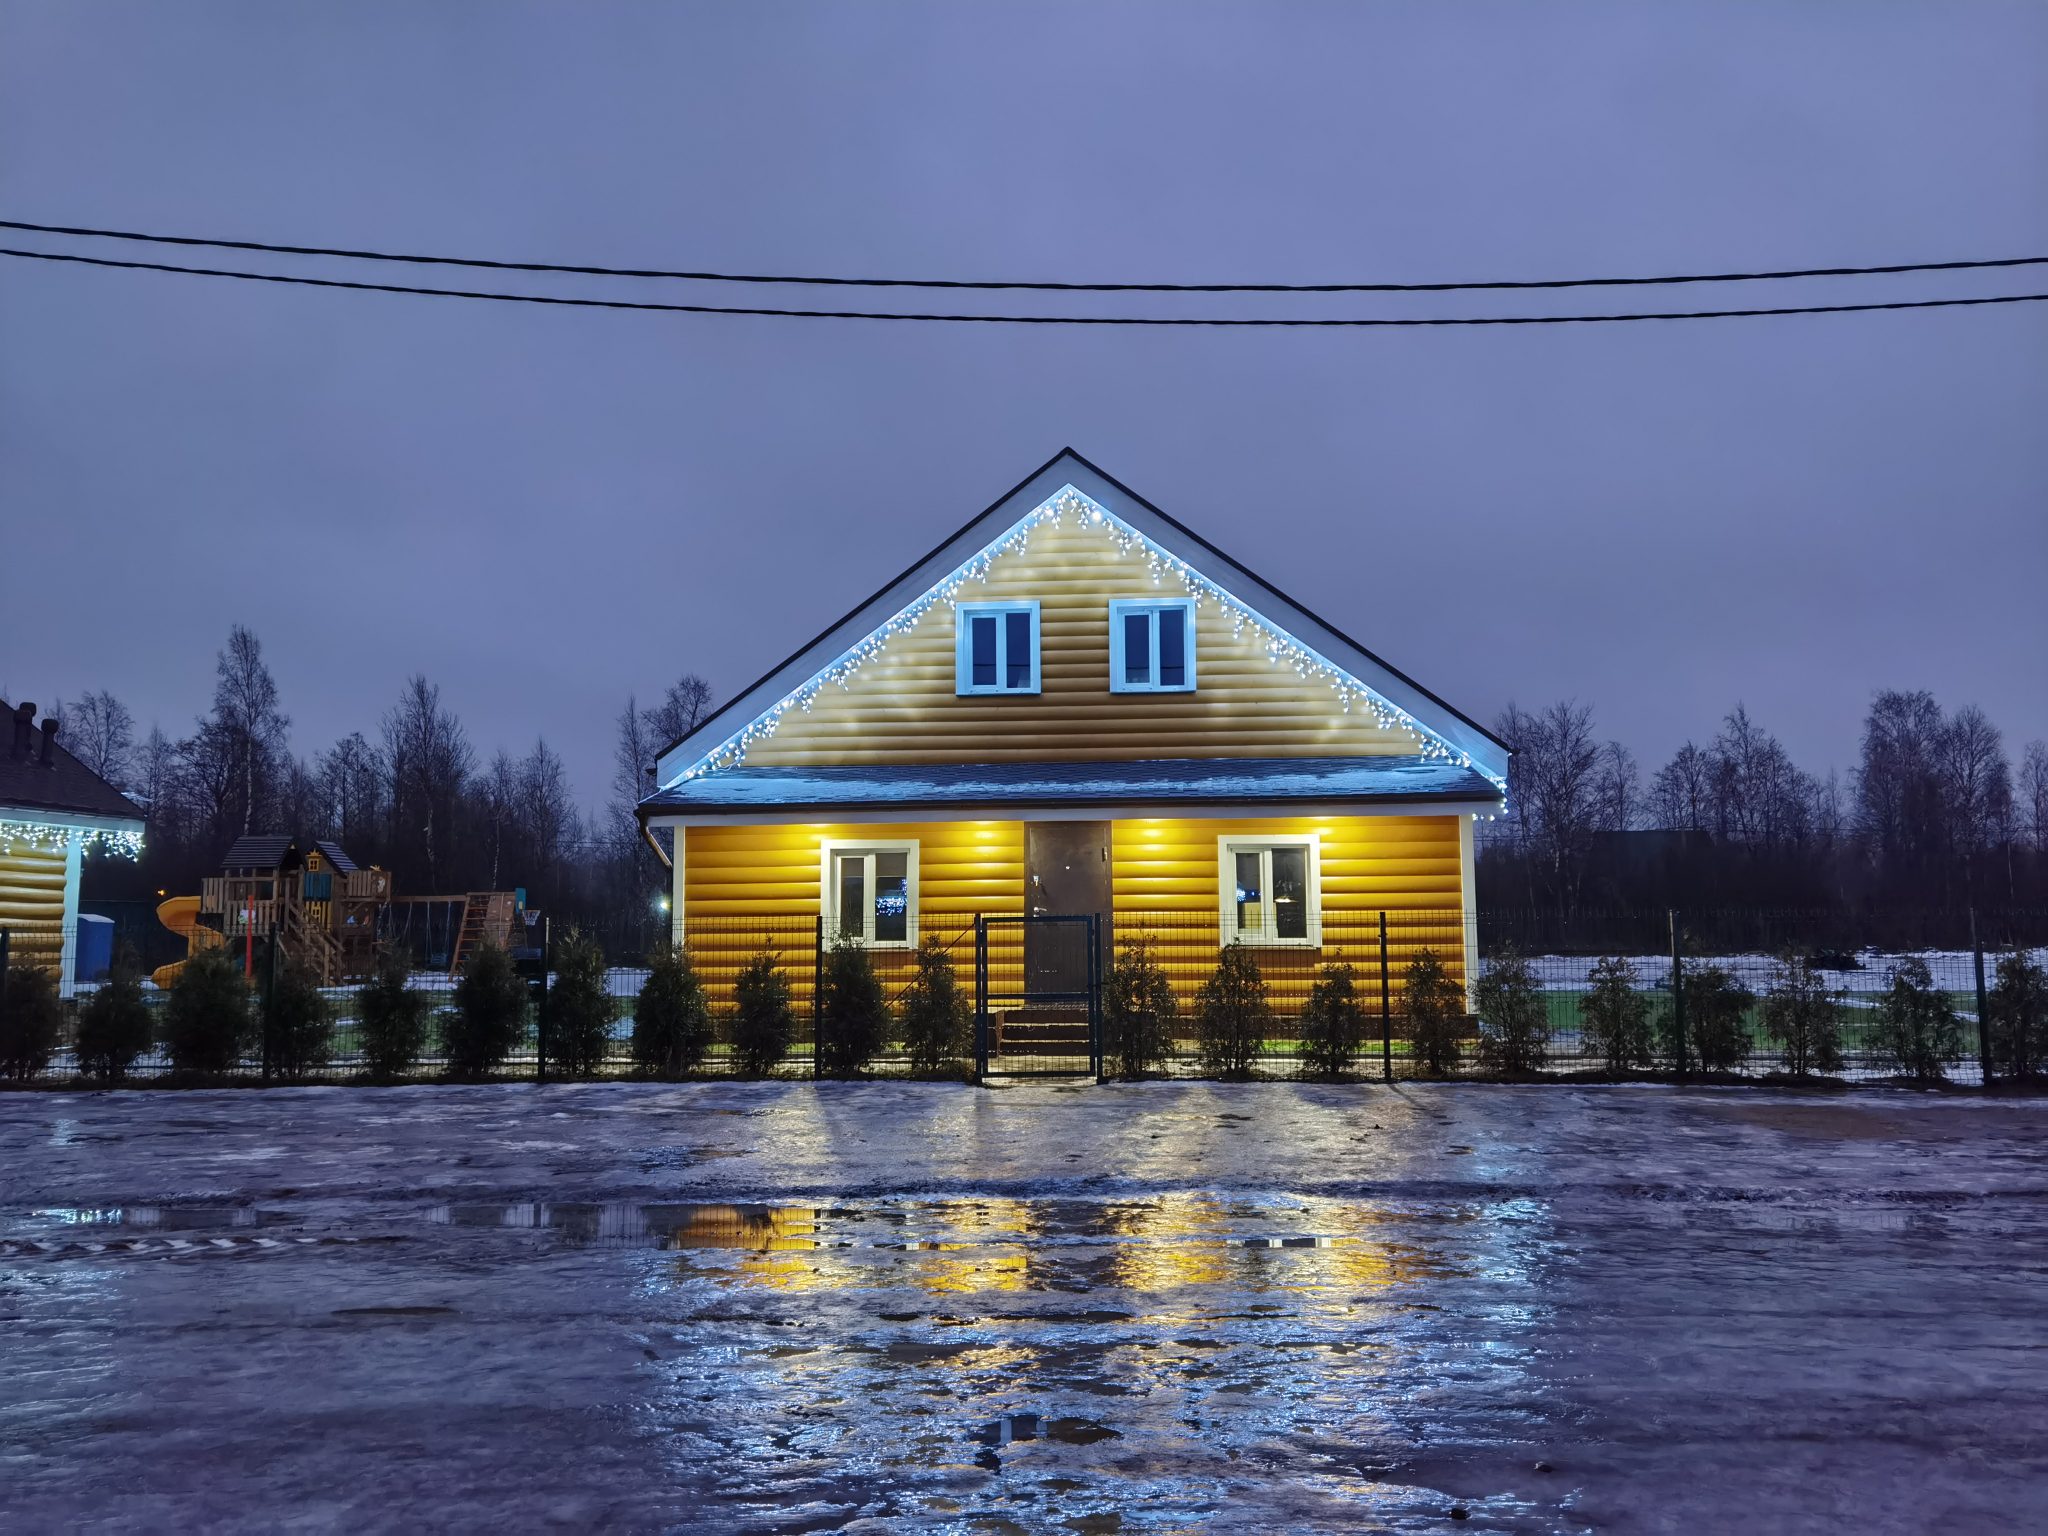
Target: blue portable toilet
<point x="95" y="954"/>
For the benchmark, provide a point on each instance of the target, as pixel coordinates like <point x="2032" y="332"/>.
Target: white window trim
<point x="1228" y="847"/>
<point x="1118" y="607"/>
<point x="828" y="888"/>
<point x="963" y="662"/>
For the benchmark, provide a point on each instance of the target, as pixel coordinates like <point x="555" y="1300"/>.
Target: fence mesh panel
<point x="1762" y="995"/>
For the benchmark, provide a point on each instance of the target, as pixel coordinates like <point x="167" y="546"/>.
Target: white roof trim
<point x="1070" y="487"/>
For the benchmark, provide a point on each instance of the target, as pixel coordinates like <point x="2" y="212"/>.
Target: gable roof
<point x="1070" y="483"/>
<point x="267" y="850"/>
<point x="62" y="786"/>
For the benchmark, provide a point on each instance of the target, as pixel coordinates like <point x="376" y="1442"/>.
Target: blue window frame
<point x="996" y="648"/>
<point x="1152" y="645"/>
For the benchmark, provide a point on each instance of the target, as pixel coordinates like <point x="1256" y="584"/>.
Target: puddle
<point x="1016" y="1428"/>
<point x="161" y="1218"/>
<point x="757" y="1228"/>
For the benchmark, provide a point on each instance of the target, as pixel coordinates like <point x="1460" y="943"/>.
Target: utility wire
<point x="1152" y="320"/>
<point x="1046" y="287"/>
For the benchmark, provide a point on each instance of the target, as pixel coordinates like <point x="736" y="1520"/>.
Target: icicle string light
<point x="52" y="837"/>
<point x="1282" y="649"/>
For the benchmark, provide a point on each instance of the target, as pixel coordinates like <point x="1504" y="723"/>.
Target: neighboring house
<point x="52" y="809"/>
<point x="1077" y="705"/>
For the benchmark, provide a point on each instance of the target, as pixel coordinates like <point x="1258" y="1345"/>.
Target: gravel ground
<point x="1171" y="1307"/>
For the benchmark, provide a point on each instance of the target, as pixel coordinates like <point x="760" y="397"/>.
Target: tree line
<point x="414" y="796"/>
<point x="1935" y="815"/>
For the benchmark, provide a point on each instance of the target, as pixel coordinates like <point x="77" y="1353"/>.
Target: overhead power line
<point x="956" y="319"/>
<point x="1044" y="287"/>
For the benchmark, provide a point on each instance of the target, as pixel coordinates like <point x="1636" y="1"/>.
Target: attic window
<point x="997" y="648"/>
<point x="1152" y="645"/>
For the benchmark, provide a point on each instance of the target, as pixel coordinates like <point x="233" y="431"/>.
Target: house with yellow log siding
<point x="53" y="811"/>
<point x="1077" y="705"/>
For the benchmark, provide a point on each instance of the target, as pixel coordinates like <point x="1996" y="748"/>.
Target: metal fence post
<point x="818" y="998"/>
<point x="980" y="997"/>
<point x="540" y="1025"/>
<point x="1677" y="994"/>
<point x="1983" y="1005"/>
<point x="1095" y="996"/>
<point x="270" y="1006"/>
<point x="1386" y="1009"/>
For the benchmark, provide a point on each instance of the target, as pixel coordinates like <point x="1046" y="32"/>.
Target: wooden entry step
<point x="1042" y="1032"/>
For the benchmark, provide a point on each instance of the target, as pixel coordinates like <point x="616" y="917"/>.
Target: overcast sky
<point x="545" y="510"/>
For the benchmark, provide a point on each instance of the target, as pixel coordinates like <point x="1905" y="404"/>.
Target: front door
<point x="1066" y="874"/>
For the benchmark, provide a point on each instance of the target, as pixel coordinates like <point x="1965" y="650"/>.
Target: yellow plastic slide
<point x="181" y="915"/>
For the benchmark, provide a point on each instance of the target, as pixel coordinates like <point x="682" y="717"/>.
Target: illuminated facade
<point x="1075" y="704"/>
<point x="53" y="811"/>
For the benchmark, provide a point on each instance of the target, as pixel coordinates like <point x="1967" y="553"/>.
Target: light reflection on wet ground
<point x="1266" y="1309"/>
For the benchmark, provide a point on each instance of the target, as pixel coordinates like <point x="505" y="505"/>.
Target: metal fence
<point x="1631" y="994"/>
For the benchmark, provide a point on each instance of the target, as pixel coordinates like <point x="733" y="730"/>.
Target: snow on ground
<point x="878" y="1307"/>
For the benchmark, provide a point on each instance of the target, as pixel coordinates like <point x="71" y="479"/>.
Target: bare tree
<point x="642" y="736"/>
<point x="100" y="733"/>
<point x="428" y="756"/>
<point x="1681" y="795"/>
<point x="497" y="799"/>
<point x="246" y="731"/>
<point x="682" y="709"/>
<point x="1976" y="789"/>
<point x="1617" y="789"/>
<point x="632" y="754"/>
<point x="1898" y="792"/>
<point x="2033" y="793"/>
<point x="548" y="820"/>
<point x="154" y="779"/>
<point x="1552" y="789"/>
<point x="351" y="788"/>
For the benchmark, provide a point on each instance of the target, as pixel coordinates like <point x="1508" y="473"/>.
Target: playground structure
<point x="323" y="910"/>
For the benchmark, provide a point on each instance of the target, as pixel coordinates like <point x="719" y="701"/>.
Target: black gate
<point x="1038" y="996"/>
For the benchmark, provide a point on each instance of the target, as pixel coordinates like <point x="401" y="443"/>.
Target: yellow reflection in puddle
<point x="989" y="1270"/>
<point x="759" y="1229"/>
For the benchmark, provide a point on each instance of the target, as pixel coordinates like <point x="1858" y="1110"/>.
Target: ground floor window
<point x="1271" y="890"/>
<point x="869" y="893"/>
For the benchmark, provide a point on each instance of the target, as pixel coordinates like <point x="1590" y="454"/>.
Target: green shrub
<point x="936" y="1013"/>
<point x="1231" y="1014"/>
<point x="31" y="1018"/>
<point x="1716" y="1019"/>
<point x="1916" y="1032"/>
<point x="1434" y="1005"/>
<point x="298" y="1021"/>
<point x="1514" y="1019"/>
<point x="763" y="1022"/>
<point x="391" y="1018"/>
<point x="853" y="1015"/>
<point x="1139" y="1012"/>
<point x="1332" y="1023"/>
<point x="1805" y="1014"/>
<point x="672" y="1019"/>
<point x="1614" y="1017"/>
<point x="206" y="1018"/>
<point x="489" y="1016"/>
<point x="580" y="1010"/>
<point x="2017" y="1015"/>
<point x="114" y="1024"/>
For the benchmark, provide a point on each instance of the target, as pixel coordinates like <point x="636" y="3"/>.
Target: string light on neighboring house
<point x="1087" y="513"/>
<point x="54" y="837"/>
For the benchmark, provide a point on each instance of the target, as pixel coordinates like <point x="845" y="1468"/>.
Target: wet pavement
<point x="877" y="1307"/>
